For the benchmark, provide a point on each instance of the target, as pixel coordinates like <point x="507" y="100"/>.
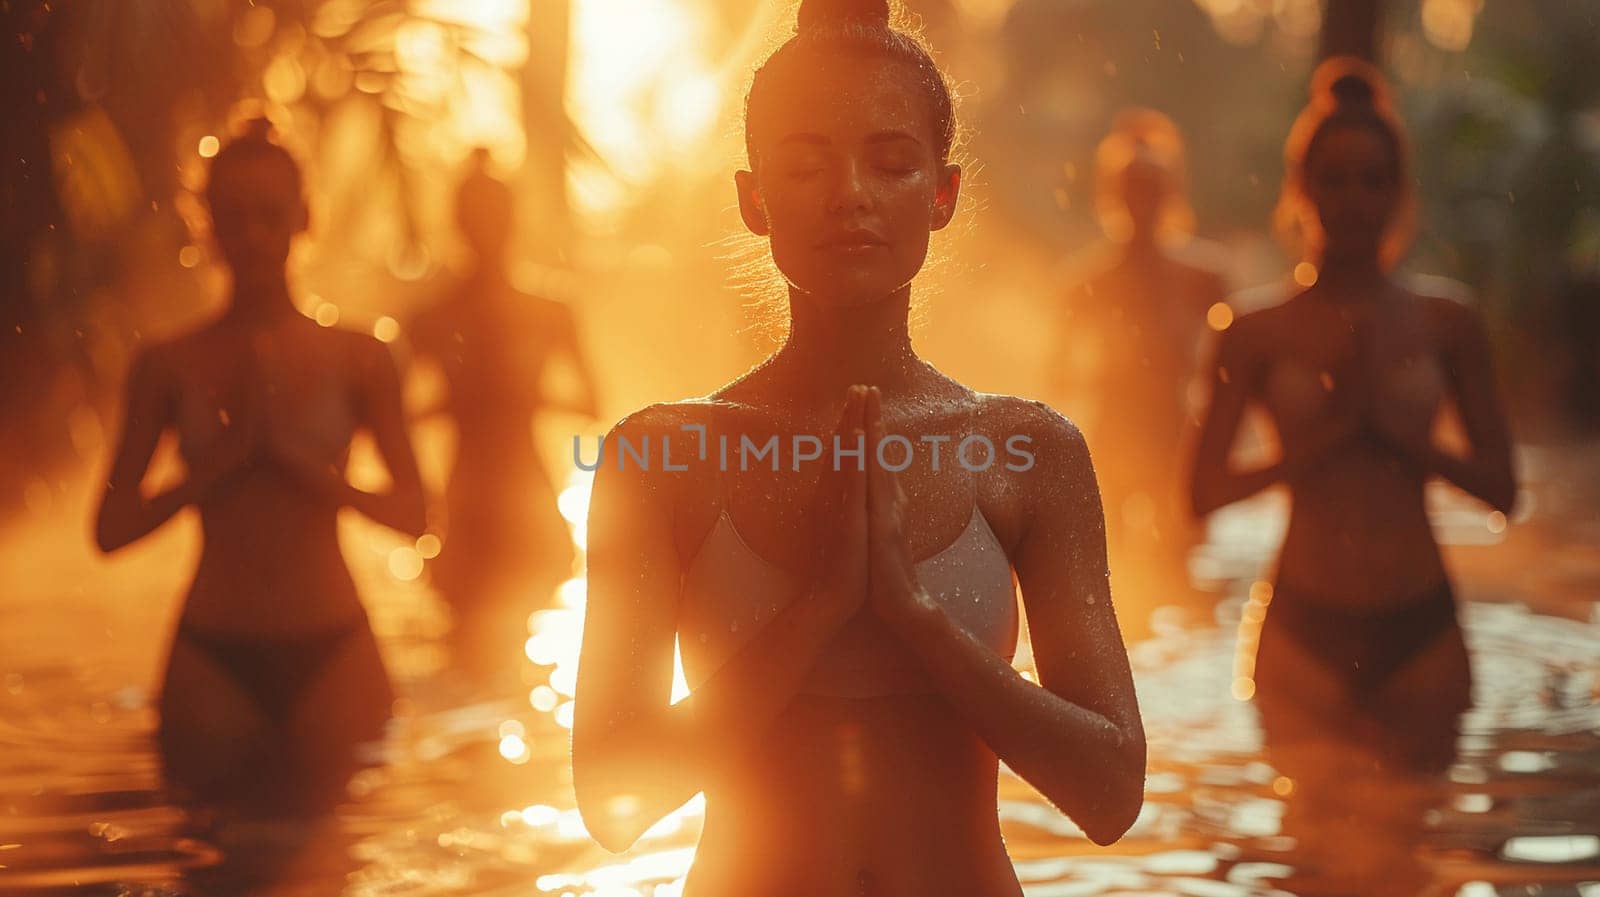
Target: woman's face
<point x="1144" y="187"/>
<point x="256" y="210"/>
<point x="847" y="181"/>
<point x="1352" y="182"/>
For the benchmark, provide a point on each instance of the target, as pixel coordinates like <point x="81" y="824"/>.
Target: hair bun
<point x="1349" y="82"/>
<point x="815" y="13"/>
<point x="1352" y="90"/>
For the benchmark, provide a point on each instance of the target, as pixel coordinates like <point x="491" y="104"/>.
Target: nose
<point x="850" y="192"/>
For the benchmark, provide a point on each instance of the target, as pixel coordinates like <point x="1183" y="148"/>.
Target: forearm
<point x="662" y="762"/>
<point x="400" y="510"/>
<point x="1218" y="488"/>
<point x="737" y="705"/>
<point x="123" y="521"/>
<point x="1489" y="481"/>
<point x="1217" y="484"/>
<point x="1085" y="764"/>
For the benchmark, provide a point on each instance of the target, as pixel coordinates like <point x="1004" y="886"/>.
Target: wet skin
<point x="815" y="795"/>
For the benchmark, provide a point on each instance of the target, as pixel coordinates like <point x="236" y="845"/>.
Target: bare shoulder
<point x="1090" y="263"/>
<point x="661" y="419"/>
<point x="1205" y="258"/>
<point x="1448" y="306"/>
<point x="1084" y="272"/>
<point x="191" y="349"/>
<point x="1251" y="332"/>
<point x="1020" y="413"/>
<point x="1433" y="287"/>
<point x="1043" y="467"/>
<point x="1014" y="421"/>
<point x="661" y="442"/>
<point x="367" y="354"/>
<point x="1274" y="294"/>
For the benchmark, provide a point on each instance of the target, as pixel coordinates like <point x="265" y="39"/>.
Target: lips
<point x="854" y="241"/>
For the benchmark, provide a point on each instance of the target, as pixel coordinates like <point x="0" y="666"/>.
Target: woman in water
<point x="274" y="676"/>
<point x="506" y="545"/>
<point x="849" y="704"/>
<point x="1360" y="659"/>
<point x="1131" y="334"/>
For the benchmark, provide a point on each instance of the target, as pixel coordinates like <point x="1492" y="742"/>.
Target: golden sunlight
<point x="555" y="636"/>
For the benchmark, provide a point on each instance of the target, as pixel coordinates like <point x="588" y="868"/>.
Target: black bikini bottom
<point x="274" y="670"/>
<point x="1364" y="647"/>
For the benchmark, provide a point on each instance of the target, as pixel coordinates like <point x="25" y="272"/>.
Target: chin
<point x="853" y="285"/>
<point x="844" y="291"/>
<point x="1351" y="249"/>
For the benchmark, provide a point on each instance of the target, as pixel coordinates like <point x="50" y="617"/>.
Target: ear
<point x="750" y="207"/>
<point x="944" y="199"/>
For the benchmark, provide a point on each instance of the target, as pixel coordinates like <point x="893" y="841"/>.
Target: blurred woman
<point x="1361" y="662"/>
<point x="847" y="623"/>
<point x="506" y="545"/>
<point x="274" y="676"/>
<point x="1131" y="332"/>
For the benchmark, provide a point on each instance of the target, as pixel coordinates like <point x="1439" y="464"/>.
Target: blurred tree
<point x="90" y="91"/>
<point x="550" y="132"/>
<point x="105" y="105"/>
<point x="1510" y="180"/>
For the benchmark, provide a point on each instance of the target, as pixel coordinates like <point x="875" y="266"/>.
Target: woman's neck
<point x="1143" y="243"/>
<point x="830" y="347"/>
<point x="261" y="302"/>
<point x="1351" y="276"/>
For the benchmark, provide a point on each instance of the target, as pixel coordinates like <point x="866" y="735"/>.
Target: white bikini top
<point x="730" y="592"/>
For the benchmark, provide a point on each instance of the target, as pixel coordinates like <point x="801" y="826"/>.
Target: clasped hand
<point x="252" y="438"/>
<point x="1361" y="409"/>
<point x="864" y="557"/>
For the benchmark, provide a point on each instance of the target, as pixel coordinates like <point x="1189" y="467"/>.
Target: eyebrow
<point x="891" y="136"/>
<point x="813" y="139"/>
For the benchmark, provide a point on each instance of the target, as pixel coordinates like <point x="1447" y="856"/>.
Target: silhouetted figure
<point x="1361" y="668"/>
<point x="506" y="545"/>
<point x="1131" y="333"/>
<point x="849" y="704"/>
<point x="274" y="675"/>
